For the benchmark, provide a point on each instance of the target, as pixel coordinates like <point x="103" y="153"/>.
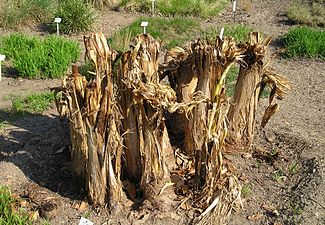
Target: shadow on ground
<point x="39" y="145"/>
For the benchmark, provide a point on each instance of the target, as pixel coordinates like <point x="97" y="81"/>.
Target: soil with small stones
<point x="283" y="175"/>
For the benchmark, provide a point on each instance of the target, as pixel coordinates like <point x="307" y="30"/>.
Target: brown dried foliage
<point x="125" y="116"/>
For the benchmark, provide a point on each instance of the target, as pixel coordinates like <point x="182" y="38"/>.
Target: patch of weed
<point x="246" y="190"/>
<point x="278" y="175"/>
<point x="76" y="16"/>
<point x="197" y="8"/>
<point x="16" y="12"/>
<point x="293" y="168"/>
<point x="34" y="103"/>
<point x="39" y="58"/>
<point x="231" y="80"/>
<point x="309" y="14"/>
<point x="172" y="32"/>
<point x="305" y="41"/>
<point x="10" y="214"/>
<point x="238" y="32"/>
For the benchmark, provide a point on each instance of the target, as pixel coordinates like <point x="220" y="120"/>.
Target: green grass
<point x="172" y="32"/>
<point x="76" y="16"/>
<point x="197" y="8"/>
<point x="246" y="190"/>
<point x="238" y="32"/>
<point x="293" y="168"/>
<point x="231" y="81"/>
<point x="309" y="14"/>
<point x="278" y="175"/>
<point x="10" y="214"/>
<point x="14" y="13"/>
<point x="39" y="58"/>
<point x="34" y="103"/>
<point x="306" y="42"/>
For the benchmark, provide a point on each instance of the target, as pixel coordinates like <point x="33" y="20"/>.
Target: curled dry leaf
<point x="255" y="217"/>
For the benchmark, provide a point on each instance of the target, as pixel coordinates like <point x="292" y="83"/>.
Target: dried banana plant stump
<point x="120" y="144"/>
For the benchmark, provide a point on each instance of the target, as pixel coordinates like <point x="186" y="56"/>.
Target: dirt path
<point x="34" y="156"/>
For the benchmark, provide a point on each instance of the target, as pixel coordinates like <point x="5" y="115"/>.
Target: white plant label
<point x="57" y="20"/>
<point x="234" y="5"/>
<point x="84" y="221"/>
<point x="144" y="24"/>
<point x="153" y="6"/>
<point x="221" y="32"/>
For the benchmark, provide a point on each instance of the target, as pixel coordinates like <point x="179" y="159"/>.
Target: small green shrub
<point x="76" y="16"/>
<point x="305" y="41"/>
<point x="198" y="8"/>
<point x="39" y="58"/>
<point x="309" y="14"/>
<point x="14" y="13"/>
<point x="34" y="103"/>
<point x="8" y="210"/>
<point x="172" y="32"/>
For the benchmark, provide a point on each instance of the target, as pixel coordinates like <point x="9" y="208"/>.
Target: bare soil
<point x="35" y="161"/>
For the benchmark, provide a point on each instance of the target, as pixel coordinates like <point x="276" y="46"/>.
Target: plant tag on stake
<point x="84" y="221"/>
<point x="2" y="58"/>
<point x="144" y="24"/>
<point x="153" y="6"/>
<point x="234" y="5"/>
<point x="221" y="32"/>
<point x="57" y="20"/>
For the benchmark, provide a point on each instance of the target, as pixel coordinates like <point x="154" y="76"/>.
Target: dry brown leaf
<point x="49" y="198"/>
<point x="255" y="217"/>
<point x="270" y="110"/>
<point x="277" y="223"/>
<point x="24" y="204"/>
<point x="34" y="215"/>
<point x="83" y="206"/>
<point x="268" y="207"/>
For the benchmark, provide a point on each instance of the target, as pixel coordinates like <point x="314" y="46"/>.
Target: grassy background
<point x="309" y="14"/>
<point x="14" y="13"/>
<point x="76" y="15"/>
<point x="34" y="57"/>
<point x="197" y="8"/>
<point x="306" y="42"/>
<point x="33" y="103"/>
<point x="172" y="32"/>
<point x="238" y="32"/>
<point x="10" y="214"/>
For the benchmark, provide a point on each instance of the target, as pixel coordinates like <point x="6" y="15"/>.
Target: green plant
<point x="231" y="81"/>
<point x="102" y="3"/>
<point x="238" y="32"/>
<point x="278" y="175"/>
<point x="293" y="168"/>
<point x="305" y="41"/>
<point x="310" y="14"/>
<point x="246" y="190"/>
<point x="39" y="58"/>
<point x="274" y="151"/>
<point x="172" y="32"/>
<point x="76" y="16"/>
<point x="34" y="103"/>
<point x="296" y="210"/>
<point x="16" y="12"/>
<point x="10" y="214"/>
<point x="198" y="8"/>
